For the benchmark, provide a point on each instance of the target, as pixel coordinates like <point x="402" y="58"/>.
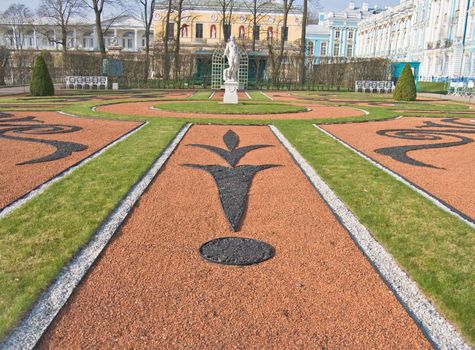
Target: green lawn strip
<point x="430" y="106"/>
<point x="217" y="107"/>
<point x="435" y="248"/>
<point x="258" y="96"/>
<point x="200" y="95"/>
<point x="40" y="237"/>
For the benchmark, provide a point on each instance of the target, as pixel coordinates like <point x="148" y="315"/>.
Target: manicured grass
<point x="200" y="95"/>
<point x="433" y="87"/>
<point x="435" y="248"/>
<point x="40" y="237"/>
<point x="258" y="96"/>
<point x="215" y="107"/>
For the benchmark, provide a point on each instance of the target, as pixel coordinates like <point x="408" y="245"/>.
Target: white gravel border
<point x="40" y="189"/>
<point x="248" y="96"/>
<point x="270" y="98"/>
<point x="423" y="193"/>
<point x="32" y="327"/>
<point x="438" y="331"/>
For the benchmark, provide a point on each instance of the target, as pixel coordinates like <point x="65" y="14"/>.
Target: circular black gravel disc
<point x="236" y="251"/>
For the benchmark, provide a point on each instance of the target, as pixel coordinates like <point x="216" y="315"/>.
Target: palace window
<point x="270" y="33"/>
<point x="128" y="40"/>
<point x="337" y="34"/>
<point x="184" y="31"/>
<point x="323" y="48"/>
<point x="242" y="33"/>
<point x="349" y="50"/>
<point x="350" y="34"/>
<point x="199" y="31"/>
<point x="257" y="32"/>
<point x="336" y="49"/>
<point x="170" y="30"/>
<point x="285" y="33"/>
<point x="309" y="48"/>
<point x="227" y="31"/>
<point x="212" y="32"/>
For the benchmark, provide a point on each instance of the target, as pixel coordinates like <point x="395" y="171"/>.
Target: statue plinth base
<point x="230" y="92"/>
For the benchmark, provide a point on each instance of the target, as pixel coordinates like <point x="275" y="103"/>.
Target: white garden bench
<point x="86" y="82"/>
<point x="374" y="86"/>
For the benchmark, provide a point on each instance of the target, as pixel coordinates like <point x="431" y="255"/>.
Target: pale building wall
<point x="241" y="27"/>
<point x="437" y="33"/>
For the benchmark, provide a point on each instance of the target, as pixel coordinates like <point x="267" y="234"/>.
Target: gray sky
<point x="327" y="5"/>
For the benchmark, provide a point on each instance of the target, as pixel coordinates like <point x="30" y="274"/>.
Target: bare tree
<point x="167" y="5"/>
<point x="287" y="5"/>
<point x="18" y="18"/>
<point x="98" y="6"/>
<point x="146" y="10"/>
<point x="258" y="9"/>
<point x="179" y="14"/>
<point x="226" y="14"/>
<point x="60" y="13"/>
<point x="4" y="57"/>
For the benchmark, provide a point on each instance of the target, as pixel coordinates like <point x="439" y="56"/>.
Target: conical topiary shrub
<point x="41" y="83"/>
<point x="406" y="86"/>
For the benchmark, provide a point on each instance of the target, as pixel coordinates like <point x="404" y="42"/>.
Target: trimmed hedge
<point x="41" y="82"/>
<point x="406" y="86"/>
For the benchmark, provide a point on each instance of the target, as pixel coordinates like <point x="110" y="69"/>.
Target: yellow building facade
<point x="202" y="25"/>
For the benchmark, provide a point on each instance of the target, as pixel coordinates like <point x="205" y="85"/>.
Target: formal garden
<point x="294" y="218"/>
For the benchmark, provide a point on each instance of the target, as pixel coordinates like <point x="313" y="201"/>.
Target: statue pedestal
<point x="230" y="92"/>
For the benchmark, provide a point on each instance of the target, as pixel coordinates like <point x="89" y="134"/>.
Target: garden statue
<point x="231" y="74"/>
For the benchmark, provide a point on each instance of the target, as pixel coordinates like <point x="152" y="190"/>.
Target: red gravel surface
<point x="453" y="182"/>
<point x="143" y="109"/>
<point x="151" y="289"/>
<point x="17" y="180"/>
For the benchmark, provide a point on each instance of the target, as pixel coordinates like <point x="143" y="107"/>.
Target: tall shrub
<point x="406" y="86"/>
<point x="41" y="82"/>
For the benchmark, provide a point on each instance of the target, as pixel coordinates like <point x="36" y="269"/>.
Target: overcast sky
<point x="327" y="5"/>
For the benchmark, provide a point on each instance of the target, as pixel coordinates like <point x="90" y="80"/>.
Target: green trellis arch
<point x="219" y="64"/>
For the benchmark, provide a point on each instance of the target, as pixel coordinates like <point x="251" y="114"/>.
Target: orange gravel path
<point x="453" y="182"/>
<point x="143" y="109"/>
<point x="18" y="180"/>
<point x="150" y="289"/>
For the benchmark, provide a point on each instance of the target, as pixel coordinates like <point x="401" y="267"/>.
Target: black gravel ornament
<point x="30" y="126"/>
<point x="429" y="131"/>
<point x="236" y="251"/>
<point x="233" y="182"/>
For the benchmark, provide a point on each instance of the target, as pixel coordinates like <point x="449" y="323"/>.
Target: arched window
<point x="270" y="33"/>
<point x="184" y="31"/>
<point x="242" y="33"/>
<point x="212" y="32"/>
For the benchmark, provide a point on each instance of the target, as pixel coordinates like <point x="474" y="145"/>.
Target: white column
<point x="136" y="47"/>
<point x="35" y="38"/>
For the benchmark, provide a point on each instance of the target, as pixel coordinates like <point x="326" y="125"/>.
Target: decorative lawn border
<point x="437" y="201"/>
<point x="438" y="330"/>
<point x="32" y="327"/>
<point x="45" y="185"/>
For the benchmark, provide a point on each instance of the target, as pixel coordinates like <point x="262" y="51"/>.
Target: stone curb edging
<point x="270" y="98"/>
<point x="36" y="322"/>
<point x="438" y="202"/>
<point x="42" y="187"/>
<point x="438" y="331"/>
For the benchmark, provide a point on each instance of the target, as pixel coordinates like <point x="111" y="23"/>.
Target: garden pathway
<point x="152" y="289"/>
